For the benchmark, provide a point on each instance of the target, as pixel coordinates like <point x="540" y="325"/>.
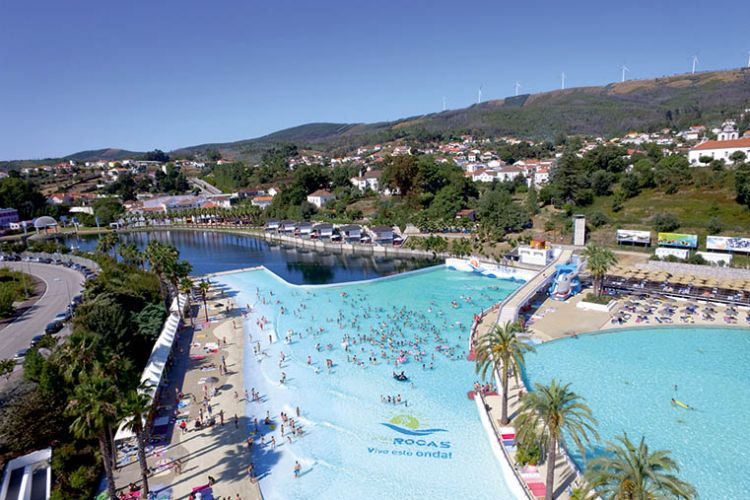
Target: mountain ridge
<point x="607" y="110"/>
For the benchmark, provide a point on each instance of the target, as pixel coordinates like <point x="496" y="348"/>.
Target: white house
<point x="320" y="197"/>
<point x="509" y="173"/>
<point x="370" y="180"/>
<point x="351" y="232"/>
<point x="483" y="175"/>
<point x="727" y="144"/>
<point x="261" y="201"/>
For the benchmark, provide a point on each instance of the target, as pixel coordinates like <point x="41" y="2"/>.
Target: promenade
<point x="508" y="311"/>
<point x="183" y="464"/>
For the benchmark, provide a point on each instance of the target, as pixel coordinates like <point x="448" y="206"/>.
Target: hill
<point x="674" y="101"/>
<point x="108" y="154"/>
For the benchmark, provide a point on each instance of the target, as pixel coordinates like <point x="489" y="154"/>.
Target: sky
<point x="144" y="74"/>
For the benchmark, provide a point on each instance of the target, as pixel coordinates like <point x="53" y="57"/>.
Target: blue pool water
<point x="628" y="379"/>
<point x="433" y="448"/>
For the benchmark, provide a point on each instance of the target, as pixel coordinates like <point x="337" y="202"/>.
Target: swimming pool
<point x="628" y="379"/>
<point x="432" y="445"/>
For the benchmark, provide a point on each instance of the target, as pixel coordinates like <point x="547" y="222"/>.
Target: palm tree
<point x="599" y="260"/>
<point x="203" y="288"/>
<point x="107" y="242"/>
<point x="500" y="349"/>
<point x="130" y="254"/>
<point x="135" y="408"/>
<point x="628" y="472"/>
<point x="547" y="412"/>
<point x="94" y="408"/>
<point x="186" y="288"/>
<point x="176" y="270"/>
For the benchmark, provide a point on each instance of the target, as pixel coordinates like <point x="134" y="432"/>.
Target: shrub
<point x="665" y="222"/>
<point x="598" y="219"/>
<point x="714" y="225"/>
<point x="528" y="454"/>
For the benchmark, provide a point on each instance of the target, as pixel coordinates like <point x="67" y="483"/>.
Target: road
<point x="204" y="186"/>
<point x="62" y="285"/>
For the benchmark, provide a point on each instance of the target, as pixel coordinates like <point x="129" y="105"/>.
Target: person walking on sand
<point x="297" y="469"/>
<point x="221" y="417"/>
<point x="236" y="421"/>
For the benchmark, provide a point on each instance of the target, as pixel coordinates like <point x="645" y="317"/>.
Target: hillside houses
<point x="728" y="142"/>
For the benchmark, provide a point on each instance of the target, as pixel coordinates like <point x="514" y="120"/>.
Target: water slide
<point x="565" y="281"/>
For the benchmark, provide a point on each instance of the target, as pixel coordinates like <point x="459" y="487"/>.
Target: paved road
<point x="62" y="284"/>
<point x="204" y="186"/>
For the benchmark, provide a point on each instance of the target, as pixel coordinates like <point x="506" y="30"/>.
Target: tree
<point x="532" y="202"/>
<point x="186" y="288"/>
<point x="107" y="242"/>
<point x="665" y="222"/>
<point x="130" y="254"/>
<point x="23" y="196"/>
<point x="460" y="247"/>
<point x="497" y="210"/>
<point x="549" y="411"/>
<point x="599" y="260"/>
<point x="136" y="408"/>
<point x="94" y="409"/>
<point x="630" y="472"/>
<point x="714" y="225"/>
<point x="156" y="155"/>
<point x="501" y="350"/>
<point x="738" y="157"/>
<point x="203" y="288"/>
<point x="742" y="184"/>
<point x="150" y="320"/>
<point x="400" y="172"/>
<point x="6" y="367"/>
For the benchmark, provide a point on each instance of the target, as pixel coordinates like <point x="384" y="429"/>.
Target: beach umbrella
<point x="212" y="380"/>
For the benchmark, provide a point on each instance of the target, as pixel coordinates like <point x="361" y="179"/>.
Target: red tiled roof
<point x="736" y="143"/>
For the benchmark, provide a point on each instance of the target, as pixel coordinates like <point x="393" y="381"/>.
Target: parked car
<point x="21" y="354"/>
<point x="53" y="327"/>
<point x="36" y="339"/>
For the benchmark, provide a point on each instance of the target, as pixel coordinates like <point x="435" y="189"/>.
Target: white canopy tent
<point x="152" y="375"/>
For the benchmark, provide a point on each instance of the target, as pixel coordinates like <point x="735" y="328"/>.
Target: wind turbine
<point x="695" y="63"/>
<point x="748" y="58"/>
<point x="624" y="69"/>
<point x="479" y="95"/>
<point x="517" y="86"/>
<point x="563" y="81"/>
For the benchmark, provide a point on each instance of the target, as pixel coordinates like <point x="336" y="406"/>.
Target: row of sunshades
<point x="529" y="473"/>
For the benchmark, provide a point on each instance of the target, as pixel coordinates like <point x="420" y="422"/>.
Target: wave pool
<point x="355" y="445"/>
<point x="630" y="377"/>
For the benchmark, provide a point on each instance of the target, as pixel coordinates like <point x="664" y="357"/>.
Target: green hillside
<point x="644" y="105"/>
<point x="676" y="101"/>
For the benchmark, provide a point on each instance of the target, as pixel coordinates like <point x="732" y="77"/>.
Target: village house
<point x="261" y="201"/>
<point x="723" y="148"/>
<point x="320" y="197"/>
<point x="370" y="180"/>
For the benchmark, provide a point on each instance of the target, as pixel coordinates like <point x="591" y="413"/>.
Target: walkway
<point x="508" y="311"/>
<point x="219" y="451"/>
<point x="512" y="305"/>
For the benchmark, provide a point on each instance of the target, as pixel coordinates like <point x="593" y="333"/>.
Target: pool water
<point x="629" y="378"/>
<point x="432" y="445"/>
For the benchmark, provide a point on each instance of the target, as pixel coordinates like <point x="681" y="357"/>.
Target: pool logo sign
<point x="407" y="424"/>
<point x="419" y="442"/>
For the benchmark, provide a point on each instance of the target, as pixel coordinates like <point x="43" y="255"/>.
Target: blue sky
<point x="141" y="75"/>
